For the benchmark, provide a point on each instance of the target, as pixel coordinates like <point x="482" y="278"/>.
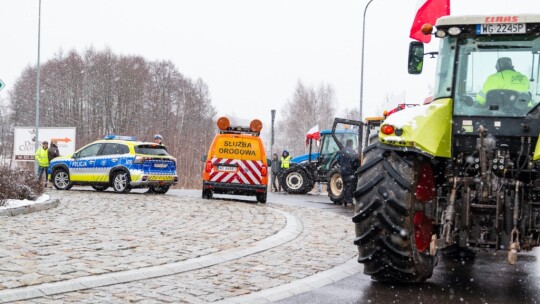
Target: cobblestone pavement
<point x="166" y="249"/>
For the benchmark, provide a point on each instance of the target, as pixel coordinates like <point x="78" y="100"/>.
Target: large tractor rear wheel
<point x="393" y="232"/>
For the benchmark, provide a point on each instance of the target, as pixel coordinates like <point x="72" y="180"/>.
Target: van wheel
<point x="121" y="182"/>
<point x="261" y="198"/>
<point x="207" y="194"/>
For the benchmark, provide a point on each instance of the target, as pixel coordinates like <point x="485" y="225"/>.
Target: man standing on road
<point x="348" y="163"/>
<point x="42" y="158"/>
<point x="285" y="163"/>
<point x="158" y="139"/>
<point x="53" y="151"/>
<point x="276" y="165"/>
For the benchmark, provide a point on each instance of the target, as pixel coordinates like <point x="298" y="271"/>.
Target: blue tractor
<point x="320" y="166"/>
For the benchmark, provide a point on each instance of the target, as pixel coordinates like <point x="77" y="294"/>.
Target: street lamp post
<point x="362" y="68"/>
<point x="37" y="87"/>
<point x="273" y="113"/>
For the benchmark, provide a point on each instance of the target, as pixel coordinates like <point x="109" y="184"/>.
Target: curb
<point x="300" y="286"/>
<point x="51" y="203"/>
<point x="291" y="231"/>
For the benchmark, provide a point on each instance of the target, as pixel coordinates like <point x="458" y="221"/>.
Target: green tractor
<point x="463" y="172"/>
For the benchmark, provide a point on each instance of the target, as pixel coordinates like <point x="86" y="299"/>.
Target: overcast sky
<point x="251" y="53"/>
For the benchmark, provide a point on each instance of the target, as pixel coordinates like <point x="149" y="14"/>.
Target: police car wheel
<point x="100" y="187"/>
<point x="61" y="180"/>
<point x="161" y="190"/>
<point x="121" y="182"/>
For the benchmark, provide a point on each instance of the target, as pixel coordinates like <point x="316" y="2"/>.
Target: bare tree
<point x="102" y="93"/>
<point x="307" y="108"/>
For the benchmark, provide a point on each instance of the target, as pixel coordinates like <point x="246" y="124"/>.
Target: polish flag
<point x="429" y="12"/>
<point x="313" y="133"/>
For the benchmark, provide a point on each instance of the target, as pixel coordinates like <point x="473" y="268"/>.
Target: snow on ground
<point x="11" y="203"/>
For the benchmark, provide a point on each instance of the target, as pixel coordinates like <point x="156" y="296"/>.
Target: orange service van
<point x="236" y="162"/>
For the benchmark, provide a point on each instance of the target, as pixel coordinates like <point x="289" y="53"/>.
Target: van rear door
<point x="237" y="159"/>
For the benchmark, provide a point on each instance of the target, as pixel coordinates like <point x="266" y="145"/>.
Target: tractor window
<point x="497" y="75"/>
<point x="330" y="146"/>
<point x="445" y="66"/>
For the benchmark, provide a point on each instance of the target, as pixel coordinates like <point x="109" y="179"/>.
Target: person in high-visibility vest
<point x="285" y="164"/>
<point x="42" y="158"/>
<point x="506" y="78"/>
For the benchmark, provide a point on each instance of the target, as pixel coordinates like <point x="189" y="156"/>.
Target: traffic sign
<point x="2" y="84"/>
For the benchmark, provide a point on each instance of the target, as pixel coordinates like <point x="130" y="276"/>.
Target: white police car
<point x="117" y="161"/>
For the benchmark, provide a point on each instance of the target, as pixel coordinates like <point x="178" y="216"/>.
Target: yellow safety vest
<point x="42" y="157"/>
<point x="504" y="80"/>
<point x="285" y="162"/>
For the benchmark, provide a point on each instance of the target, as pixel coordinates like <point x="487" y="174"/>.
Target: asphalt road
<point x="487" y="279"/>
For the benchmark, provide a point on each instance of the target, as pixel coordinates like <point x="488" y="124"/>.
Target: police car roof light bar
<point x="120" y="137"/>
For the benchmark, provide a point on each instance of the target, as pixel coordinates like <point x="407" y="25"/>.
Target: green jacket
<point x="42" y="157"/>
<point x="503" y="80"/>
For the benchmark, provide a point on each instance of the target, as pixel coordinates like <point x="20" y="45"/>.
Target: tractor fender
<point x="426" y="128"/>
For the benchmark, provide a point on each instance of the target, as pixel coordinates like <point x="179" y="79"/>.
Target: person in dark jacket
<point x="53" y="151"/>
<point x="158" y="139"/>
<point x="276" y="166"/>
<point x="348" y="163"/>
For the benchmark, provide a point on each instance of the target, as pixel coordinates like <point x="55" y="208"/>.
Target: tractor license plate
<point x="500" y="28"/>
<point x="226" y="168"/>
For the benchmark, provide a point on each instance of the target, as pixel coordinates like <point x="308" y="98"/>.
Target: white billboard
<point x="24" y="147"/>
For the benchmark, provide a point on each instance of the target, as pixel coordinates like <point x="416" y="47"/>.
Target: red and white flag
<point x="429" y="12"/>
<point x="313" y="133"/>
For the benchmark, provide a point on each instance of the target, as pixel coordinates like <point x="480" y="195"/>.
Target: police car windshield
<point x="151" y="150"/>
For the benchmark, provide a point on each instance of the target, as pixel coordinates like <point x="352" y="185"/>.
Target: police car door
<point x="84" y="163"/>
<point x="109" y="158"/>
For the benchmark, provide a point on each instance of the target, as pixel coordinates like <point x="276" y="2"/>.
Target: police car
<point x="120" y="162"/>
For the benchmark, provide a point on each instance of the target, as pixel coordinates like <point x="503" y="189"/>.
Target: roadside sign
<point x="2" y="84"/>
<point x="25" y="145"/>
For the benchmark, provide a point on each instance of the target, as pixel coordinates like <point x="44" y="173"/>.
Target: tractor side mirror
<point x="203" y="158"/>
<point x="416" y="57"/>
<point x="269" y="162"/>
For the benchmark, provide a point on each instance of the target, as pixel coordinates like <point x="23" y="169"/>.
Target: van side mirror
<point x="75" y="155"/>
<point x="203" y="158"/>
<point x="416" y="57"/>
